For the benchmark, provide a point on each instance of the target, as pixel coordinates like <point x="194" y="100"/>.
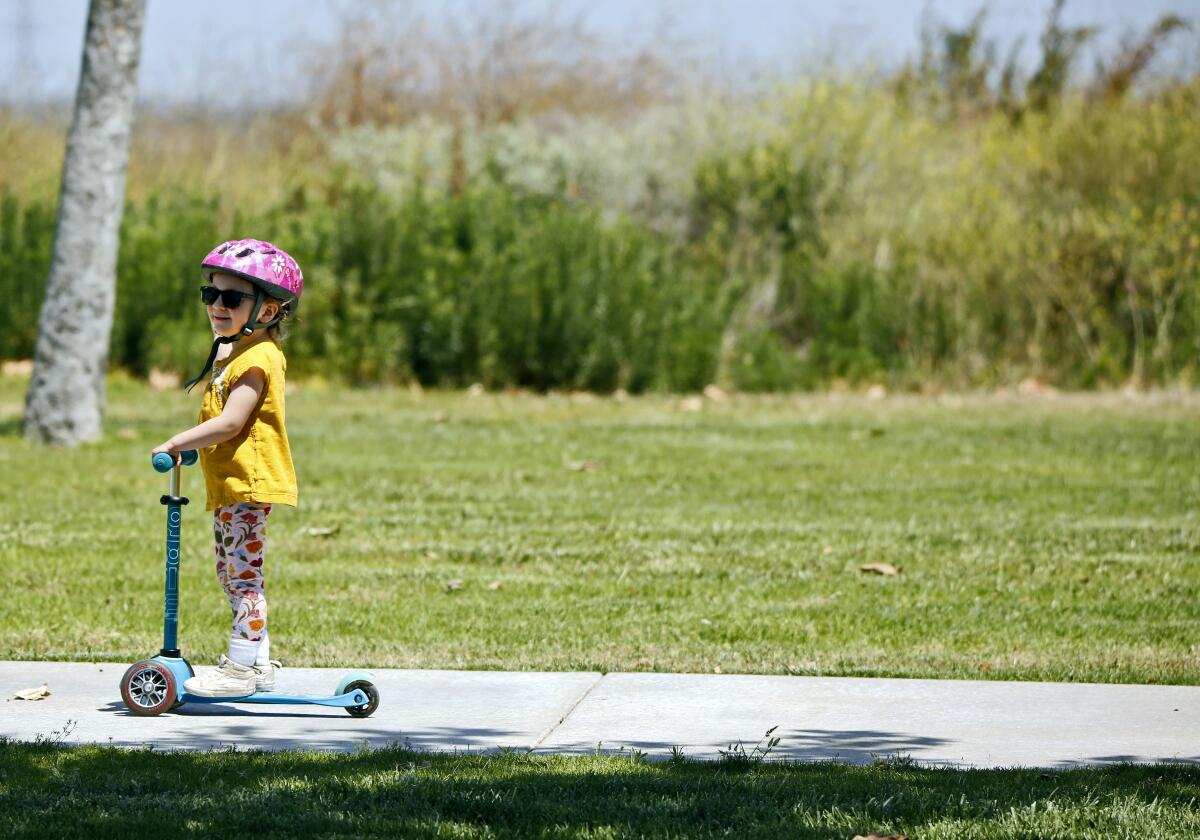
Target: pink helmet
<point x="267" y="267"/>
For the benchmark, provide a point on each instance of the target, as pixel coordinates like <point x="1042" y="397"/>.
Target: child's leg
<point x="241" y="541"/>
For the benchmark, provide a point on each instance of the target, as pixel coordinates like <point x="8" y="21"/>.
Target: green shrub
<point x="830" y="231"/>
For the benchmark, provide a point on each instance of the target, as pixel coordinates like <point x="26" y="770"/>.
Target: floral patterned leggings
<point x="241" y="540"/>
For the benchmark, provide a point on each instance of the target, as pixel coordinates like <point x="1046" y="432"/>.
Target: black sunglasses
<point x="230" y="298"/>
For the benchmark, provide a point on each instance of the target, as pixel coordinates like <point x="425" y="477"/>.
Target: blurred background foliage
<point x="523" y="204"/>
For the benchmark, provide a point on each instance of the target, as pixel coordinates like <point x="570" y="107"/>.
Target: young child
<point x="252" y="287"/>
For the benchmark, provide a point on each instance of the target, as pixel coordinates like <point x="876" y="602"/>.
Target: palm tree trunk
<point x="65" y="401"/>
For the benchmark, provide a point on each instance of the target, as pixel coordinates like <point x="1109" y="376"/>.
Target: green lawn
<point x="95" y="792"/>
<point x="1049" y="539"/>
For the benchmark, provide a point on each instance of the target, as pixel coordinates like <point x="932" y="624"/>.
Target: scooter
<point x="153" y="686"/>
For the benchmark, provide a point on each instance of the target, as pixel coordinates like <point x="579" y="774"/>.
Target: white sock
<point x="264" y="651"/>
<point x="243" y="651"/>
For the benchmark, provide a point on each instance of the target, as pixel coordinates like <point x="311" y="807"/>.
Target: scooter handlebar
<point x="164" y="462"/>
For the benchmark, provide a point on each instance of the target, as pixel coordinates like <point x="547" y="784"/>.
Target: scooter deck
<point x="350" y="698"/>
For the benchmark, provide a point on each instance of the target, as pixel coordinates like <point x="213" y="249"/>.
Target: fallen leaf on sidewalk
<point x="879" y="569"/>
<point x="32" y="693"/>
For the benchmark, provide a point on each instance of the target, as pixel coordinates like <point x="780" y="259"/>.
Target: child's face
<point x="226" y="321"/>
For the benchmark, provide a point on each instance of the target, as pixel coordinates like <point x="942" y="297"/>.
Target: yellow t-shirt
<point x="255" y="465"/>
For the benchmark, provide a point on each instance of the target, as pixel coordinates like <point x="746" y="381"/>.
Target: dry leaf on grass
<point x="582" y="466"/>
<point x="454" y="584"/>
<point x="31" y="693"/>
<point x="494" y="585"/>
<point x="880" y="837"/>
<point x="879" y="569"/>
<point x="321" y="532"/>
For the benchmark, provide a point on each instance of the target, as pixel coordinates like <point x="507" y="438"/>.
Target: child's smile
<point x="224" y="323"/>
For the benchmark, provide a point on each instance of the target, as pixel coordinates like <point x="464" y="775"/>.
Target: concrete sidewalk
<point x="935" y="722"/>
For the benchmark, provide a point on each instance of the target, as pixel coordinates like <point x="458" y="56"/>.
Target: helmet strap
<point x="212" y="355"/>
<point x="254" y="324"/>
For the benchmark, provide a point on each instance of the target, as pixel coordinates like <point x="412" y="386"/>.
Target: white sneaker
<point x="266" y="681"/>
<point x="228" y="679"/>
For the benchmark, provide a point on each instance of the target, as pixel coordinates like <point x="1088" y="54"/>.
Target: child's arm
<point x="232" y="419"/>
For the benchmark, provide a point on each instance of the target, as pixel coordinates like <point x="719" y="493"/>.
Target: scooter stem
<point x="174" y="504"/>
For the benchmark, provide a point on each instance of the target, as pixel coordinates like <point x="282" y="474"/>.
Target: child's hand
<point x="168" y="448"/>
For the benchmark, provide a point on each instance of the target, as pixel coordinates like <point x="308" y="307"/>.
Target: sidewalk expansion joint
<point x="569" y="712"/>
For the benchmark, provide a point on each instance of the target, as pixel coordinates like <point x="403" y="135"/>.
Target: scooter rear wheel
<point x="369" y="689"/>
<point x="148" y="688"/>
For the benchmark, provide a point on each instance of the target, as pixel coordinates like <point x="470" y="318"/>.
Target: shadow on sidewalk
<point x="856" y="746"/>
<point x="229" y="725"/>
<point x="850" y="746"/>
<point x="249" y="729"/>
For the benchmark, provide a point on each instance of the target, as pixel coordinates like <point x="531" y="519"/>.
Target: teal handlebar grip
<point x="164" y="462"/>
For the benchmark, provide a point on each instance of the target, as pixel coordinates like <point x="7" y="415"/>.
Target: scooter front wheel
<point x="148" y="688"/>
<point x="369" y="689"/>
